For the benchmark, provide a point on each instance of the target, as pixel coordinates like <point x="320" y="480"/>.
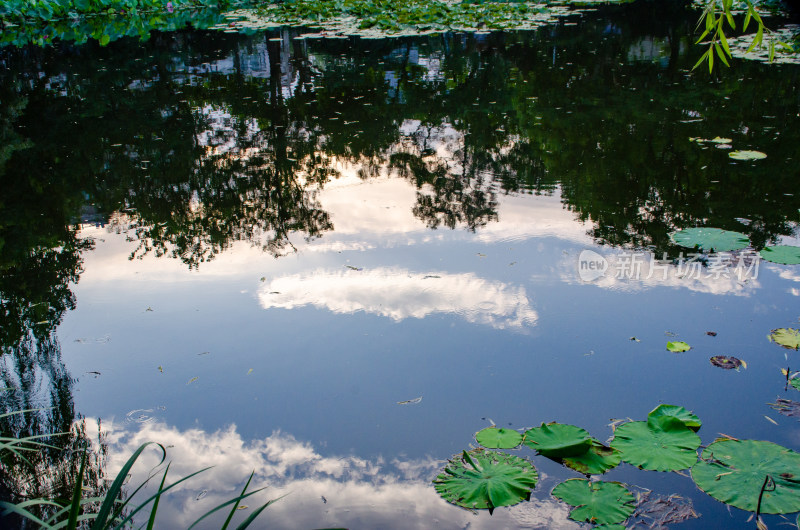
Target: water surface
<point x="251" y="248"/>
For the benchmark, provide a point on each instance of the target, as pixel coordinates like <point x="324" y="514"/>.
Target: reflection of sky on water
<point x="307" y="345"/>
<point x="341" y="490"/>
<point x="400" y="294"/>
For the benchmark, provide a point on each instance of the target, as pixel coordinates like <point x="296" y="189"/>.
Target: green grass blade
<point x="12" y="508"/>
<point x="15" y="412"/>
<point x="152" y="519"/>
<point x="145" y="503"/>
<point x="236" y="506"/>
<point x="224" y="504"/>
<point x="116" y="487"/>
<point x="256" y="513"/>
<point x="75" y="505"/>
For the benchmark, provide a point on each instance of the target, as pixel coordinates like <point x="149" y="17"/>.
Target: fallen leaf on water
<point x="410" y="401"/>
<point x="658" y="511"/>
<point x="160" y="368"/>
<point x="204" y="353"/>
<point x="787" y="407"/>
<point x="711" y="333"/>
<point x="192" y="380"/>
<point x="771" y="420"/>
<point x="727" y="362"/>
<point x="250" y="371"/>
<point x="354" y="268"/>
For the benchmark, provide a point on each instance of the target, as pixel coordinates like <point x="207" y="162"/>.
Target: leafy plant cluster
<point x="717" y="14"/>
<point x="756" y="476"/>
<point x="113" y="509"/>
<point x="391" y="17"/>
<point x="21" y="12"/>
<point x="108" y="28"/>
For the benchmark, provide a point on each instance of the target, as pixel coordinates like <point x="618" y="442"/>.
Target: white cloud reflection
<point x="341" y="491"/>
<point x="399" y="294"/>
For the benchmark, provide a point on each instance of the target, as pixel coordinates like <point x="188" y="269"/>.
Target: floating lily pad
<point x="558" y="440"/>
<point x="596" y="502"/>
<point x="678" y="347"/>
<point x="661" y="443"/>
<point x="710" y="239"/>
<point x="736" y="471"/>
<point x="727" y="362"/>
<point x="596" y="461"/>
<point x="482" y="479"/>
<point x="498" y="438"/>
<point x="674" y="411"/>
<point x="747" y="155"/>
<point x="783" y="254"/>
<point x="789" y="338"/>
<point x="792" y="378"/>
<point x="715" y="140"/>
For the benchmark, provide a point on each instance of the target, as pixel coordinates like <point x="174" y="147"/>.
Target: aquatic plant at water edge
<point x="114" y="509"/>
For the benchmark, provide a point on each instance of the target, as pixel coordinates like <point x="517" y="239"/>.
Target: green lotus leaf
<point x="736" y="471"/>
<point x="783" y="254"/>
<point x="662" y="443"/>
<point x="498" y="438"/>
<point x="747" y="155"/>
<point x="787" y="337"/>
<point x="678" y="346"/>
<point x="710" y="239"/>
<point x="558" y="440"/>
<point x="795" y="382"/>
<point x="688" y="418"/>
<point x="596" y="502"/>
<point x="482" y="479"/>
<point x="596" y="461"/>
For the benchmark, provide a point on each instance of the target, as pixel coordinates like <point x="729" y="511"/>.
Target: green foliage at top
<point x="106" y="29"/>
<point x="596" y="502"/>
<point x="710" y="239"/>
<point x="385" y="17"/>
<point x="715" y="16"/>
<point x="557" y="440"/>
<point x="752" y="475"/>
<point x="482" y="479"/>
<point x="37" y="11"/>
<point x="789" y="338"/>
<point x="662" y="443"/>
<point x="498" y="438"/>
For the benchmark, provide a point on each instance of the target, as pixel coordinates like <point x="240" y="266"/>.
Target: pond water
<point x="262" y="251"/>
